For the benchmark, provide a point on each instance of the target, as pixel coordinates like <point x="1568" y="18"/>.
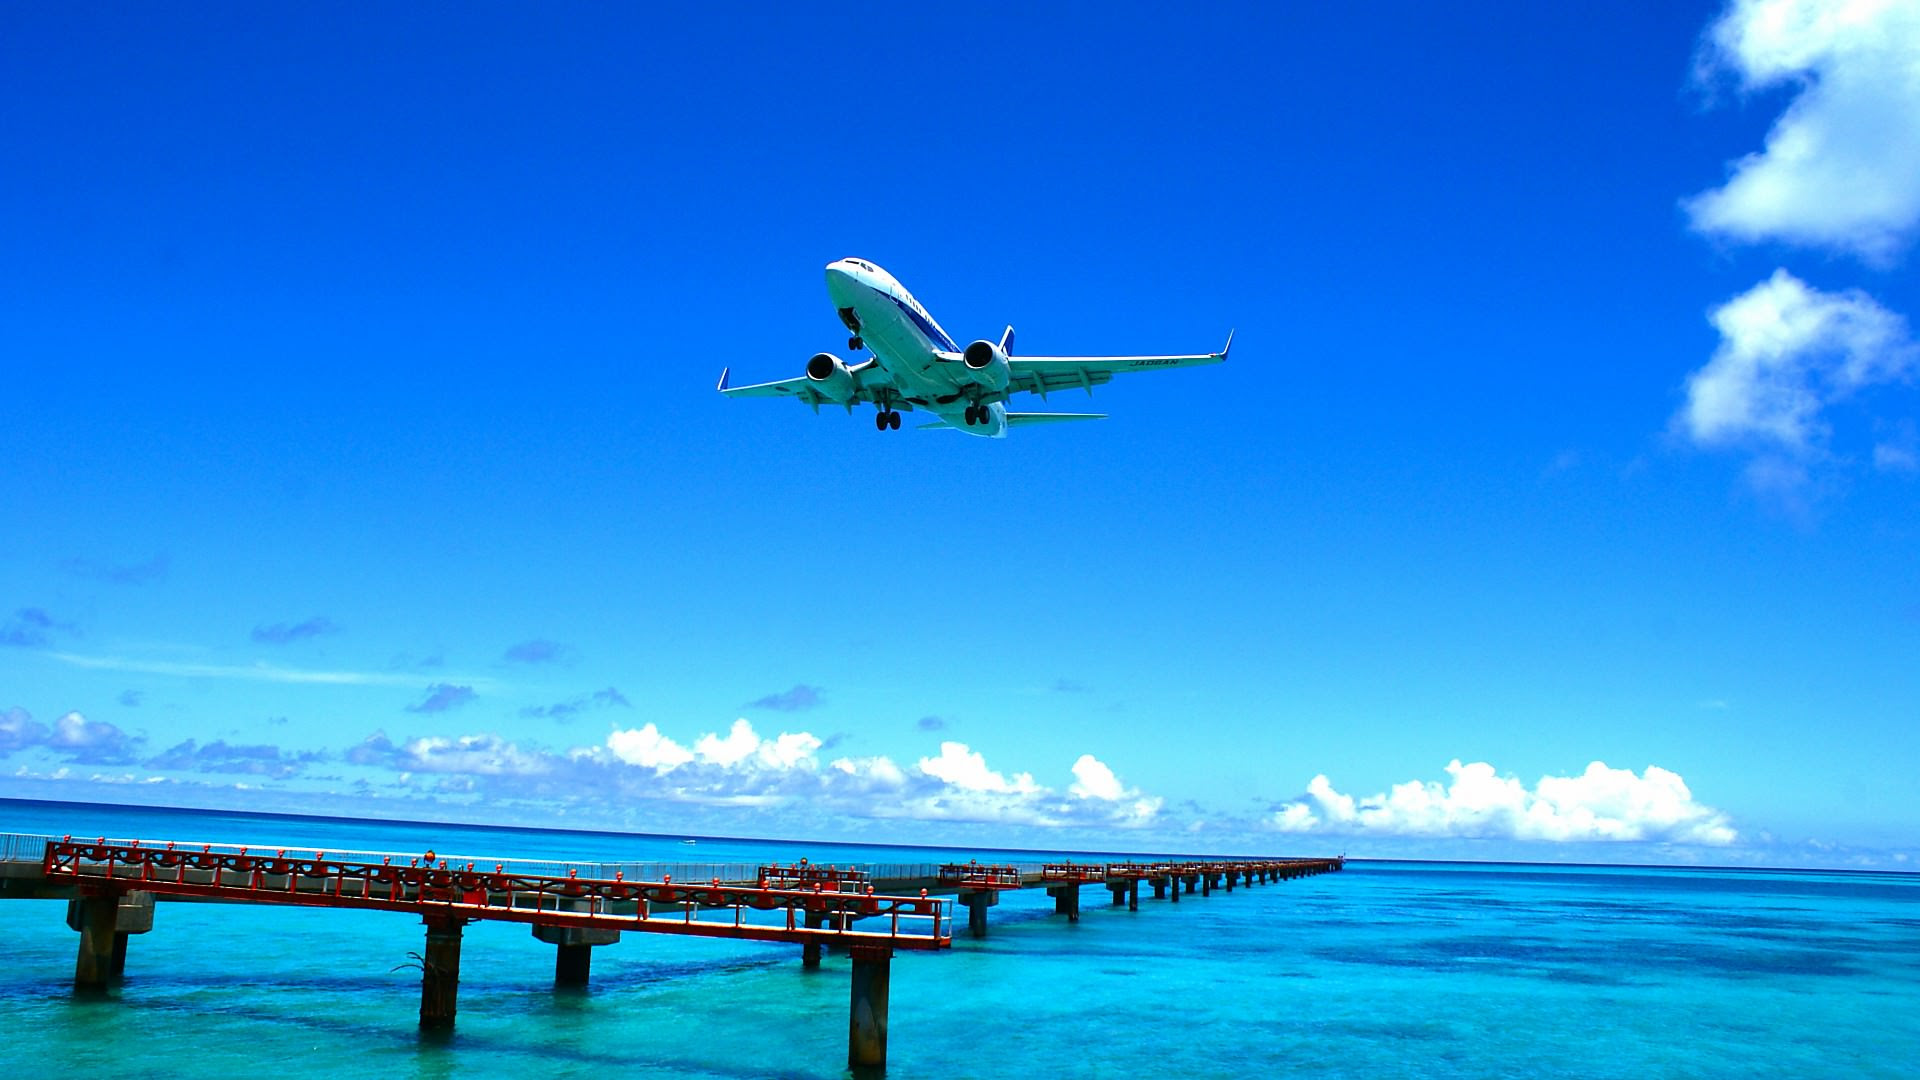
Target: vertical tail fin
<point x="1006" y="342"/>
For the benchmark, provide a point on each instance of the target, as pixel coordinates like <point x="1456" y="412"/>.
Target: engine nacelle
<point x="831" y="378"/>
<point x="988" y="364"/>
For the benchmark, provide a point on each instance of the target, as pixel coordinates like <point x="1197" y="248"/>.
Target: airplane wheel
<point x="855" y="344"/>
<point x="893" y="421"/>
<point x="880" y="421"/>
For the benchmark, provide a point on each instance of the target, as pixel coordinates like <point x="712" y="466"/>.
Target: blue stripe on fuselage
<point x="934" y="333"/>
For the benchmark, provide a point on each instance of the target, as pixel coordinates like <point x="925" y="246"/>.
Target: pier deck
<point x="871" y="910"/>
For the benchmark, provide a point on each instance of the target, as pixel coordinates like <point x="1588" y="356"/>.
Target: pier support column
<point x="1207" y="882"/>
<point x="1133" y="895"/>
<point x="810" y="952"/>
<point x="977" y="905"/>
<point x="1173" y="887"/>
<point x="1193" y="882"/>
<point x="1119" y="891"/>
<point x="572" y="965"/>
<point x="1066" y="901"/>
<point x="440" y="972"/>
<point x="867" y="1015"/>
<point x="104" y="923"/>
<point x="1231" y="875"/>
<point x="574" y="945"/>
<point x="94" y="915"/>
<point x="1159" y="888"/>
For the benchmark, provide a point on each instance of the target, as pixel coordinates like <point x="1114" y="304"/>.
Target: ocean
<point x="1384" y="969"/>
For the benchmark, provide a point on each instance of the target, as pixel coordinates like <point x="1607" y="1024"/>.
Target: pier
<point x="871" y="911"/>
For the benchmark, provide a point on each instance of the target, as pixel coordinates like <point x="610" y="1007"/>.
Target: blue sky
<point x="363" y="455"/>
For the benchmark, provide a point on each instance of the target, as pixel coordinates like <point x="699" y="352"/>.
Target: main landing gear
<point x="886" y="419"/>
<point x="979" y="414"/>
<point x="855" y="344"/>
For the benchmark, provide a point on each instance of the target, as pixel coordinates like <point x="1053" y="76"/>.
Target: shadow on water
<point x="1600" y="963"/>
<point x="442" y="1053"/>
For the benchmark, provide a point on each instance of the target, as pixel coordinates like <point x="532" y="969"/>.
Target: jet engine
<point x="987" y="362"/>
<point x="831" y="378"/>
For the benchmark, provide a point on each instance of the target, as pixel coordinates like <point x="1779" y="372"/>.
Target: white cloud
<point x="1095" y="781"/>
<point x="473" y="755"/>
<point x="739" y="744"/>
<point x="647" y="748"/>
<point x="1898" y="448"/>
<point x="788" y="750"/>
<point x="272" y="673"/>
<point x="1891" y="457"/>
<point x="1092" y="779"/>
<point x="1841" y="167"/>
<point x="1599" y="804"/>
<point x="967" y="770"/>
<point x="1787" y="352"/>
<point x="874" y="772"/>
<point x="740" y="768"/>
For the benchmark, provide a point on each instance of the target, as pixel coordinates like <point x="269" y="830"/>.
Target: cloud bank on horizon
<point x="1600" y="804"/>
<point x="742" y="768"/>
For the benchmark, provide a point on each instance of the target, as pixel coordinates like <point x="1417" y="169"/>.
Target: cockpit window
<point x="861" y="265"/>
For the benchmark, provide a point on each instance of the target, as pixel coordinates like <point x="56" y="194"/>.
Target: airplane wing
<point x="866" y="378"/>
<point x="1021" y="419"/>
<point x="1044" y="374"/>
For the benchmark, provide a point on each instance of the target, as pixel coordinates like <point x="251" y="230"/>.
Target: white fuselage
<point x="904" y="341"/>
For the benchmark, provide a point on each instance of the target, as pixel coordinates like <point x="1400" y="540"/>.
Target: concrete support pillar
<point x="1133" y="895"/>
<point x="440" y="972"/>
<point x="104" y="923"/>
<point x="977" y="905"/>
<point x="1231" y="875"/>
<point x="1207" y="883"/>
<point x="94" y="916"/>
<point x="1193" y="882"/>
<point x="1173" y="887"/>
<point x="810" y="952"/>
<point x="867" y="1014"/>
<point x="574" y="945"/>
<point x="1119" y="891"/>
<point x="572" y="965"/>
<point x="1159" y="888"/>
<point x="1066" y="901"/>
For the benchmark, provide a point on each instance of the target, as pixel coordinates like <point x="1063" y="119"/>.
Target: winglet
<point x="1006" y="342"/>
<point x="723" y="379"/>
<point x="1224" y="349"/>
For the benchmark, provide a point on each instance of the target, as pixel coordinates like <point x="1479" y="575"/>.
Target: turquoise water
<point x="1385" y="969"/>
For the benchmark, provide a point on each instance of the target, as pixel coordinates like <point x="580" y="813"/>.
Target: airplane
<point x="917" y="365"/>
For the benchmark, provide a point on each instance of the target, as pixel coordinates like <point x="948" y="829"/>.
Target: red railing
<point x="804" y="874"/>
<point x="974" y="875"/>
<point x="429" y="886"/>
<point x="1074" y="872"/>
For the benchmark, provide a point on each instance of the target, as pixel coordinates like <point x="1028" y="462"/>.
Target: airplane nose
<point x="840" y="281"/>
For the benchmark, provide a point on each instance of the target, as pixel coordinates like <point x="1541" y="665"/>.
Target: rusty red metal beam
<point x="444" y="891"/>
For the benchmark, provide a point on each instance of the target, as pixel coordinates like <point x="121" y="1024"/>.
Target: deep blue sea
<point x="1386" y="969"/>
